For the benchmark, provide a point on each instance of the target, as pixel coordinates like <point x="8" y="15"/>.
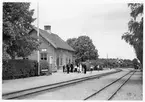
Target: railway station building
<point x="52" y="48"/>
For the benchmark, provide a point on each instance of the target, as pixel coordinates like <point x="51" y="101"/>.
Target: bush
<point x="13" y="69"/>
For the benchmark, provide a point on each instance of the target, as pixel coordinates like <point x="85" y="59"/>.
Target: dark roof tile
<point x="55" y="40"/>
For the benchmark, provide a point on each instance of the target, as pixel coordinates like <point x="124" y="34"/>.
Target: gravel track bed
<point x="132" y="90"/>
<point x="79" y="91"/>
<point x="106" y="93"/>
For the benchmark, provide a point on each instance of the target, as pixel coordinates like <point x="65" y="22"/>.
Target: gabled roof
<point x="54" y="39"/>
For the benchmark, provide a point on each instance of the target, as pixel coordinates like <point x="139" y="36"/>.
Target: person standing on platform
<point x="80" y="66"/>
<point x="63" y="68"/>
<point x="67" y="66"/>
<point x="85" y="68"/>
<point x="91" y="68"/>
<point x="75" y="68"/>
<point x="72" y="67"/>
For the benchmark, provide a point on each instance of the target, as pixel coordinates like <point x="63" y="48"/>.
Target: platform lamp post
<point x="38" y="54"/>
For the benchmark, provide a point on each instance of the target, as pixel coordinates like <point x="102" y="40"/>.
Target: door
<point x="57" y="62"/>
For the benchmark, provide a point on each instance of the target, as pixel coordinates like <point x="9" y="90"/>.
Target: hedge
<point x="13" y="69"/>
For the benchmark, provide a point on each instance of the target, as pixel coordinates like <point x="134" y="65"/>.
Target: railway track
<point x="111" y="84"/>
<point x="41" y="89"/>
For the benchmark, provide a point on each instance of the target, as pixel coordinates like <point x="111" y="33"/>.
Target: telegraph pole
<point x="38" y="54"/>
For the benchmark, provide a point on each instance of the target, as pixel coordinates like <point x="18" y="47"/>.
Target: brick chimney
<point x="47" y="28"/>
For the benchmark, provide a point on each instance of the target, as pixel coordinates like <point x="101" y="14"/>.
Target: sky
<point x="104" y="23"/>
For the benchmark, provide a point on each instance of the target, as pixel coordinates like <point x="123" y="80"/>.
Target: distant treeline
<point x="112" y="63"/>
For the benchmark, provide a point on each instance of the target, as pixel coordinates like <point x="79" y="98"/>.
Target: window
<point x="66" y="61"/>
<point x="43" y="56"/>
<point x="43" y="49"/>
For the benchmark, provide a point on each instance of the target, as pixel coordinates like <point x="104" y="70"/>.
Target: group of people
<point x="80" y="68"/>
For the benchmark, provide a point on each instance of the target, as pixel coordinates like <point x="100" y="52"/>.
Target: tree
<point x="135" y="26"/>
<point x="135" y="63"/>
<point x="84" y="48"/>
<point x="128" y="63"/>
<point x="72" y="42"/>
<point x="17" y="19"/>
<point x="5" y="54"/>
